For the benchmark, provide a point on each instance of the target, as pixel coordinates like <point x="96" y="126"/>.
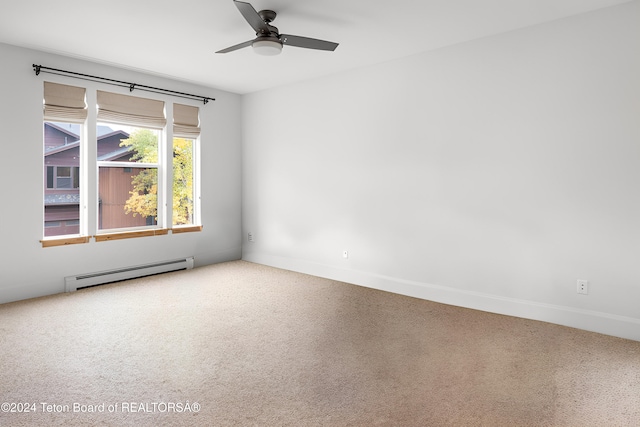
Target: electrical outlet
<point x="345" y="254"/>
<point x="250" y="236"/>
<point x="583" y="287"/>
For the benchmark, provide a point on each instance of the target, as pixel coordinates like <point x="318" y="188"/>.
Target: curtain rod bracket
<point x="131" y="87"/>
<point x="37" y="69"/>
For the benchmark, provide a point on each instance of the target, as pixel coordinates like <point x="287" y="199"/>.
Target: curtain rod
<point x="39" y="68"/>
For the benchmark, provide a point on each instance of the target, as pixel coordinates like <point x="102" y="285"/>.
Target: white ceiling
<point x="178" y="38"/>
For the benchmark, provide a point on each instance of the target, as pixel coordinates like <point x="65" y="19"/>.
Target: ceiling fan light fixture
<point x="267" y="47"/>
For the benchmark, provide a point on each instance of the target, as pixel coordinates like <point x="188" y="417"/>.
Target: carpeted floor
<point x="238" y="344"/>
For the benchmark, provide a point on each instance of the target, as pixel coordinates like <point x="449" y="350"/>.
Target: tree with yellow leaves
<point x="143" y="199"/>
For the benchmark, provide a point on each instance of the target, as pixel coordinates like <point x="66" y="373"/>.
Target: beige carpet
<point x="243" y="344"/>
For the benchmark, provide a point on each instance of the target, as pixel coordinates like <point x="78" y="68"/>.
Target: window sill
<point x="130" y="234"/>
<point x="47" y="243"/>
<point x="186" y="229"/>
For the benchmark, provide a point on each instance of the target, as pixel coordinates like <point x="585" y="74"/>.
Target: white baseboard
<point x="594" y="321"/>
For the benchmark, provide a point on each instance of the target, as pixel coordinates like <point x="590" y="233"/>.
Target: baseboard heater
<point x="73" y="283"/>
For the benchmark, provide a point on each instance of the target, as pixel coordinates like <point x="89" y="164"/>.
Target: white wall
<point x="492" y="174"/>
<point x="28" y="270"/>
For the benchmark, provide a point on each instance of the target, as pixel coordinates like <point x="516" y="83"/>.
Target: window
<point x="64" y="113"/>
<point x="135" y="171"/>
<point x="62" y="172"/>
<point x="128" y="165"/>
<point x="131" y="188"/>
<point x="62" y="177"/>
<point x="183" y="188"/>
<point x="185" y="171"/>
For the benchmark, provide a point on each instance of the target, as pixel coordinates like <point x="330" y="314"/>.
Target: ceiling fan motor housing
<point x="267" y="16"/>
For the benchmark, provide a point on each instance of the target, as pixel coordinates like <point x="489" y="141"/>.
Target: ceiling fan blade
<point x="252" y="17"/>
<point x="236" y="47"/>
<point x="307" y="42"/>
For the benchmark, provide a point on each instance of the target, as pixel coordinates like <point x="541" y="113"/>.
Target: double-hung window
<point x="131" y="188"/>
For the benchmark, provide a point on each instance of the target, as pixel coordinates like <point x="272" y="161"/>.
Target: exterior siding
<point x="114" y="190"/>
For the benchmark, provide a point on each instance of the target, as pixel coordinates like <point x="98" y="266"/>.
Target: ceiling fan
<point x="268" y="40"/>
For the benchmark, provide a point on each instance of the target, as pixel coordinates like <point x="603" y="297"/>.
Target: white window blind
<point x="113" y="107"/>
<point x="64" y="103"/>
<point x="185" y="121"/>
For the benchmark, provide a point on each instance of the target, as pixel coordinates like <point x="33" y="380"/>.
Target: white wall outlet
<point x="345" y="254"/>
<point x="250" y="236"/>
<point x="583" y="287"/>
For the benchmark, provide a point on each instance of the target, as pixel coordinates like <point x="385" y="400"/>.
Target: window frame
<point x="195" y="165"/>
<point x="88" y="175"/>
<point x="75" y="171"/>
<point x="160" y="176"/>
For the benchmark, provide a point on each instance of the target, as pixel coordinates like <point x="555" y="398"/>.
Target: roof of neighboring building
<point x="53" y="150"/>
<point x="106" y="133"/>
<point x="103" y="131"/>
<point x="114" y="154"/>
<point x="70" y="129"/>
<point x="73" y="130"/>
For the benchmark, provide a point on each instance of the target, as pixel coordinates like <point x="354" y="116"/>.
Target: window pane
<point x="128" y="196"/>
<point x="63" y="183"/>
<point x="121" y="143"/>
<point x="183" y="190"/>
<point x="76" y="177"/>
<point x="127" y="199"/>
<point x="61" y="166"/>
<point x="49" y="176"/>
<point x="63" y="179"/>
